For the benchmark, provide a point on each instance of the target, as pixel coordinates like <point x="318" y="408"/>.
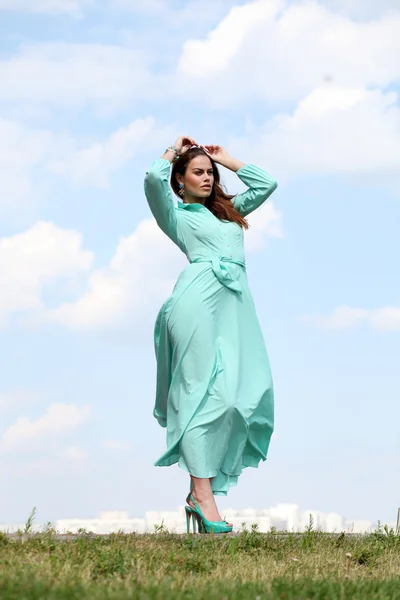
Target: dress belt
<point x="222" y="272"/>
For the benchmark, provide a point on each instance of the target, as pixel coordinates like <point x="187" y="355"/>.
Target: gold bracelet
<point x="172" y="149"/>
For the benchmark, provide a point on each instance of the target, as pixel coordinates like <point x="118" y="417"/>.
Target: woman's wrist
<point x="233" y="164"/>
<point x="171" y="154"/>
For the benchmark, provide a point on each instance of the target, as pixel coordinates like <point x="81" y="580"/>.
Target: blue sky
<point x="90" y="94"/>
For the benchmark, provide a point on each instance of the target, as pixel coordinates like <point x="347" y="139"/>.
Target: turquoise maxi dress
<point x="214" y="387"/>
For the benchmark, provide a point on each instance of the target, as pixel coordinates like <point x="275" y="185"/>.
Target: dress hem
<point x="248" y="461"/>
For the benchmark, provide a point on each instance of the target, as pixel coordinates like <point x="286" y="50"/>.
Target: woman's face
<point x="198" y="180"/>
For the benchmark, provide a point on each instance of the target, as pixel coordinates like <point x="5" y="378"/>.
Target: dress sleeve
<point x="260" y="184"/>
<point x="159" y="197"/>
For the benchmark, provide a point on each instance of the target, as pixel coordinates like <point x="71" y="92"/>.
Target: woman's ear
<point x="179" y="179"/>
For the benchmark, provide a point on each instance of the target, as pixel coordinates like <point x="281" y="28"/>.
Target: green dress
<point x="214" y="387"/>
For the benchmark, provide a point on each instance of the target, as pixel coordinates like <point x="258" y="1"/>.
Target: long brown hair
<point x="219" y="202"/>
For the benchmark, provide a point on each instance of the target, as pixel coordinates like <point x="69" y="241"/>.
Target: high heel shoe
<point x="203" y="524"/>
<point x="190" y="518"/>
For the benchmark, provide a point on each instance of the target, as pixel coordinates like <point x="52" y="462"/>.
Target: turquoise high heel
<point x="190" y="518"/>
<point x="203" y="524"/>
<point x="190" y="512"/>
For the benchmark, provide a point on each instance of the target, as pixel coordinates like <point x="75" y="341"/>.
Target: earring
<point x="181" y="190"/>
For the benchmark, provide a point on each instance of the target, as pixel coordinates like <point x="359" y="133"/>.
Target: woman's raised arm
<point x="260" y="184"/>
<point x="158" y="191"/>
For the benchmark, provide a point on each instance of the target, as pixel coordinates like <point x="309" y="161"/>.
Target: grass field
<point x="250" y="565"/>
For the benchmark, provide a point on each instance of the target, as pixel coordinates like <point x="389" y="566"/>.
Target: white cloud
<point x="264" y="50"/>
<point x="58" y="420"/>
<point x="74" y="453"/>
<point x="385" y="318"/>
<point x="32" y="260"/>
<point x="265" y="223"/>
<point x="72" y="7"/>
<point x="21" y="149"/>
<point x="94" y="164"/>
<point x="343" y="317"/>
<point x="28" y="154"/>
<point x="76" y="75"/>
<point x="363" y="9"/>
<point x="191" y="12"/>
<point x="199" y="12"/>
<point x="332" y="130"/>
<point x="202" y="58"/>
<point x="117" y="445"/>
<point x="141" y="273"/>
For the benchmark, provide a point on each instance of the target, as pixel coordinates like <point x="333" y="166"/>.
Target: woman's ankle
<point x="203" y="498"/>
<point x="201" y="489"/>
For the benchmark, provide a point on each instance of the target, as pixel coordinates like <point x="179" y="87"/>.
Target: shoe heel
<point x="194" y="522"/>
<point x="189" y="516"/>
<point x="203" y="524"/>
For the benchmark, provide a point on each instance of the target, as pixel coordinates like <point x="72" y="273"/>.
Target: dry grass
<point x="250" y="565"/>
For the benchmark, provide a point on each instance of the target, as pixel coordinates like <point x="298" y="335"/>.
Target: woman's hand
<point x="217" y="153"/>
<point x="221" y="156"/>
<point x="184" y="143"/>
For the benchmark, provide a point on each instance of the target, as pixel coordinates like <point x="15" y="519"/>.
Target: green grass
<point x="250" y="565"/>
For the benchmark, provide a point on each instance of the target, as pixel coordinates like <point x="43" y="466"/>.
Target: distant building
<point x="174" y="521"/>
<point x="284" y="517"/>
<point x="14" y="528"/>
<point x="359" y="526"/>
<point x="335" y="523"/>
<point x="107" y="522"/>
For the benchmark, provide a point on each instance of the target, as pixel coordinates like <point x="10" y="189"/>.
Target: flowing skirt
<point x="214" y="385"/>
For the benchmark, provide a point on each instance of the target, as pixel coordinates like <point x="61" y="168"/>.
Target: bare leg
<point x="210" y="480"/>
<point x="202" y="492"/>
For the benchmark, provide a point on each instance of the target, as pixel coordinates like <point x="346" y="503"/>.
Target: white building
<point x="284" y="517"/>
<point x="359" y="526"/>
<point x="107" y="522"/>
<point x="246" y="518"/>
<point x="174" y="521"/>
<point x="15" y="528"/>
<point x="289" y="514"/>
<point x="334" y="523"/>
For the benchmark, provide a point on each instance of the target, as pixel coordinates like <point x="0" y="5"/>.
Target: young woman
<point x="214" y="387"/>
